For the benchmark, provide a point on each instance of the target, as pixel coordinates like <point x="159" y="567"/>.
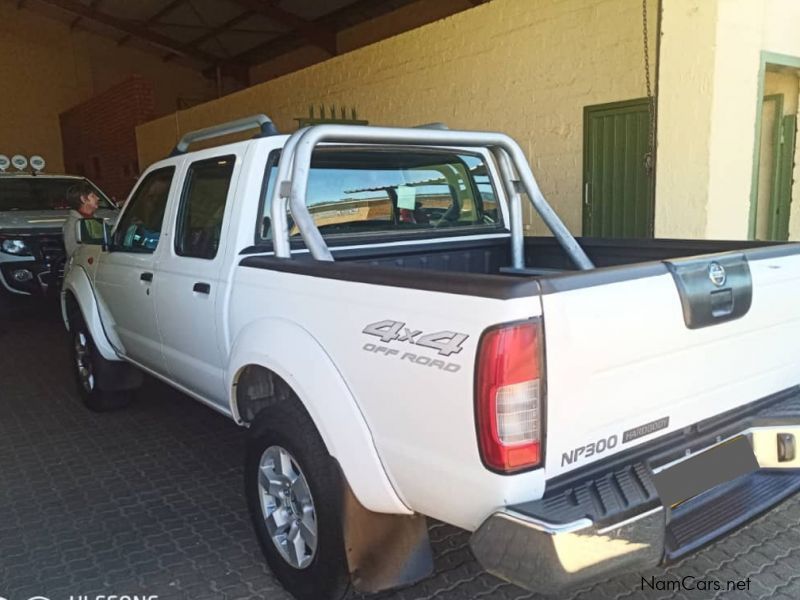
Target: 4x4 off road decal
<point x="446" y="343"/>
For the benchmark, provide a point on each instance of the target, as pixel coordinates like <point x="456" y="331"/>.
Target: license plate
<point x="710" y="468"/>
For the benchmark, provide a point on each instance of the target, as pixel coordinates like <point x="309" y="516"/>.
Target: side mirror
<point x="94" y="232"/>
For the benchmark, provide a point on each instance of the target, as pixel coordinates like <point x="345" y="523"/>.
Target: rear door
<point x="124" y="278"/>
<point x="188" y="274"/>
<point x="635" y="353"/>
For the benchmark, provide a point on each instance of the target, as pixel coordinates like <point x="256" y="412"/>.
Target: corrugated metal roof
<point x="210" y="32"/>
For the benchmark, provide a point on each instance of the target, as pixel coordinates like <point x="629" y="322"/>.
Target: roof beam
<point x="275" y="47"/>
<point x="212" y="33"/>
<point x="314" y="33"/>
<point x="92" y="5"/>
<point x="154" y="18"/>
<point x="130" y="28"/>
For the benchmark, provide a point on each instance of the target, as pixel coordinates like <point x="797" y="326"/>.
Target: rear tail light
<point x="509" y="402"/>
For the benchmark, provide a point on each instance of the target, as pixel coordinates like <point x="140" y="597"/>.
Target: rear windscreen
<point x="39" y="193"/>
<point x="365" y="191"/>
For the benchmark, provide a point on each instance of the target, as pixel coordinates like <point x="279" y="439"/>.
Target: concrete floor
<point x="149" y="501"/>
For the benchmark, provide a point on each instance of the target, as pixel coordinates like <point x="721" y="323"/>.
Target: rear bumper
<point x="614" y="521"/>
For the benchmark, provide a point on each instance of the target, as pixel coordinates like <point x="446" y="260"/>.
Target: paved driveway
<point x="148" y="501"/>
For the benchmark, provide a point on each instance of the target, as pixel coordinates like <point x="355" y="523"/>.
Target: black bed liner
<point x="479" y="267"/>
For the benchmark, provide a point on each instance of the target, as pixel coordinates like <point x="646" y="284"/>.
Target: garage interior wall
<point x="51" y="68"/>
<point x="521" y="67"/>
<point x="709" y="99"/>
<point x="398" y="21"/>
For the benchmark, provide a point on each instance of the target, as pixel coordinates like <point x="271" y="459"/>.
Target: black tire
<point x="87" y="359"/>
<point x="288" y="426"/>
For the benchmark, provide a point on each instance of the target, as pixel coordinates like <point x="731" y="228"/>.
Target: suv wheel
<point x="294" y="492"/>
<point x="87" y="364"/>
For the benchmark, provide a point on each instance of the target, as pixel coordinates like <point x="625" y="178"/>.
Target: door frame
<point x="767" y="58"/>
<point x="587" y="112"/>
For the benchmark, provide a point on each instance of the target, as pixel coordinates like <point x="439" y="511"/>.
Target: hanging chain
<point x="651" y="140"/>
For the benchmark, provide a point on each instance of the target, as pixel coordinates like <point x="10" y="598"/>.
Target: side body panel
<point x="416" y="404"/>
<point x="190" y="321"/>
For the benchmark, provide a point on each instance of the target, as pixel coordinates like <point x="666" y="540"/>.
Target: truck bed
<point x="543" y="255"/>
<point x="452" y="266"/>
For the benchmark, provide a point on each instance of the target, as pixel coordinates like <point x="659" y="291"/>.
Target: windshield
<point x="40" y="193"/>
<point x="354" y="191"/>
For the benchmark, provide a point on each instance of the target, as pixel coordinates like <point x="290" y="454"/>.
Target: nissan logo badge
<point x="716" y="273"/>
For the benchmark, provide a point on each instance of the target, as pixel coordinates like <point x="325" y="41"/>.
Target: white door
<point x="190" y="288"/>
<point x="125" y="276"/>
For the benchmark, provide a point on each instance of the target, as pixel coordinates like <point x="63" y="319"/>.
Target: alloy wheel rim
<point x="83" y="362"/>
<point x="287" y="507"/>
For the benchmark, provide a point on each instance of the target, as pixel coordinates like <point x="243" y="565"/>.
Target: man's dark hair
<point x="75" y="192"/>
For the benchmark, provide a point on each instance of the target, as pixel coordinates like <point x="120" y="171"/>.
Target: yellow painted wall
<point x="708" y="104"/>
<point x="398" y="21"/>
<point x="526" y="68"/>
<point x="733" y="116"/>
<point x="684" y="117"/>
<point x="45" y="69"/>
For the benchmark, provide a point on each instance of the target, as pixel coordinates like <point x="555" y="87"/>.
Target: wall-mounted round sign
<point x="37" y="163"/>
<point x="19" y="162"/>
<point x="4" y="162"/>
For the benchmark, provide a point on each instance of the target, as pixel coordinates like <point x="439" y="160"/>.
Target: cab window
<point x="205" y="196"/>
<point x="370" y="191"/>
<point x="139" y="228"/>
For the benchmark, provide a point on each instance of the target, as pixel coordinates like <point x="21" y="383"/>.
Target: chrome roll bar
<point x="296" y="158"/>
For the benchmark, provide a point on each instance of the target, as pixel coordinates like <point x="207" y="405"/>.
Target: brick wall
<point x="99" y="135"/>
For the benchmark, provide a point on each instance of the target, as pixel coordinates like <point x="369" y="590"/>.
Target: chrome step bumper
<point x="549" y="556"/>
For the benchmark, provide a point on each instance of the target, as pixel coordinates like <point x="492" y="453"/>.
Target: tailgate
<point x="636" y="352"/>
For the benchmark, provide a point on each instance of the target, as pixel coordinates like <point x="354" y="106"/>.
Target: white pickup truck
<point x="363" y="301"/>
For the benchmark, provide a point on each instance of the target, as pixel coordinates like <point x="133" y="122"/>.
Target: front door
<point x="190" y="282"/>
<point x="124" y="278"/>
<point x="617" y="175"/>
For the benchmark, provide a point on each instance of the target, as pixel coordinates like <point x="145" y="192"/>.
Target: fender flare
<point x="292" y="353"/>
<point x="76" y="282"/>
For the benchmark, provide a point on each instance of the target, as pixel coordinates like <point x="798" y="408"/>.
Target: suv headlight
<point x="15" y="247"/>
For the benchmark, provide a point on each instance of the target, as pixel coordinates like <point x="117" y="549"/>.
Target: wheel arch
<point x="77" y="294"/>
<point x="285" y="354"/>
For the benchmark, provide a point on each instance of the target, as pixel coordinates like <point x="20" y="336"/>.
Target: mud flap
<point x="384" y="551"/>
<point x="116" y="376"/>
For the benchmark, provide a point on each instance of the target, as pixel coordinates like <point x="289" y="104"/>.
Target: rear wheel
<point x="88" y="364"/>
<point x="294" y="492"/>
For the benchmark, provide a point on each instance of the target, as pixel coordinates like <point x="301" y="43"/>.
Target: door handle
<point x="202" y="288"/>
<point x="146" y="277"/>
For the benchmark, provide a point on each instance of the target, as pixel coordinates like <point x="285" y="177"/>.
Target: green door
<point x="617" y="183"/>
<point x="782" y="189"/>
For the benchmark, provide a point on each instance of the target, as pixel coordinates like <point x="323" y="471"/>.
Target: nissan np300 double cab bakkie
<point x="363" y="301"/>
